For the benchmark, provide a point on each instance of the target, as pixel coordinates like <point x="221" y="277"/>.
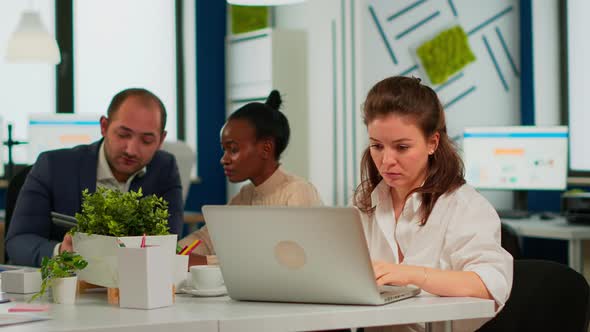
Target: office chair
<point x="510" y="241"/>
<point x="546" y="296"/>
<point x="12" y="192"/>
<point x="186" y="159"/>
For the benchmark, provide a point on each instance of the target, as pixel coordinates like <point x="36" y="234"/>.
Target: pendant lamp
<point x="263" y="2"/>
<point x="31" y="43"/>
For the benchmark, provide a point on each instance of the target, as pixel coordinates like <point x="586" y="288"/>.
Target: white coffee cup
<point x="206" y="277"/>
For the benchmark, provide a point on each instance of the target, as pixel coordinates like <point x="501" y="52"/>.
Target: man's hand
<point x="66" y="244"/>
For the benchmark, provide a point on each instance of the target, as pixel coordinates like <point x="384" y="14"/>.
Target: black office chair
<point x="546" y="296"/>
<point x="12" y="191"/>
<point x="510" y="241"/>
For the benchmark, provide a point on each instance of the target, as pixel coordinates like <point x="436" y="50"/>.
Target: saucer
<point x="219" y="291"/>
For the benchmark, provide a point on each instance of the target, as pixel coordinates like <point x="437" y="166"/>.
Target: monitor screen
<point x="57" y="131"/>
<point x="516" y="158"/>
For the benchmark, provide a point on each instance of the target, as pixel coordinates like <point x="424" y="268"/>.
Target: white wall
<point x="317" y="17"/>
<point x="490" y="102"/>
<point x="131" y="50"/>
<point x="547" y="55"/>
<point x="546" y="66"/>
<point x="25" y="88"/>
<point x="332" y="26"/>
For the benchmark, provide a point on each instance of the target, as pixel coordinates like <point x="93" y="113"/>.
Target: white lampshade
<point x="263" y="2"/>
<point x="31" y="42"/>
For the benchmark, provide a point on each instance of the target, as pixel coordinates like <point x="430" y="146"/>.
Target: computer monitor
<point x="57" y="131"/>
<point x="516" y="158"/>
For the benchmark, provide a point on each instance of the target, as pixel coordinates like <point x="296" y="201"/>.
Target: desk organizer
<point x="24" y="281"/>
<point x="101" y="253"/>
<point x="180" y="271"/>
<point x="145" y="278"/>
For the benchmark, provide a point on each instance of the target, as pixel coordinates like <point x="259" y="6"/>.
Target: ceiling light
<point x="31" y="42"/>
<point x="263" y="2"/>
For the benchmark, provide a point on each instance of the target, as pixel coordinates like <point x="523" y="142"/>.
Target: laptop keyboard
<point x="391" y="289"/>
<point x="393" y="293"/>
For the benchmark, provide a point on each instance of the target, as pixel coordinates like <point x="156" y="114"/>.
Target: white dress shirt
<point x="105" y="177"/>
<point x="461" y="234"/>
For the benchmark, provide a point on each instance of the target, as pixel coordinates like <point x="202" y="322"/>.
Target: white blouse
<point x="461" y="234"/>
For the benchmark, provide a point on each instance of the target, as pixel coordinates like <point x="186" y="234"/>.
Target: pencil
<point x="187" y="247"/>
<point x="190" y="247"/>
<point x="189" y="250"/>
<point x="182" y="250"/>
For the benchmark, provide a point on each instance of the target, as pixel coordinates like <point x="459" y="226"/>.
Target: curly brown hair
<point x="407" y="97"/>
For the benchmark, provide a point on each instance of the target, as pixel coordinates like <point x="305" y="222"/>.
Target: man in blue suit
<point x="126" y="158"/>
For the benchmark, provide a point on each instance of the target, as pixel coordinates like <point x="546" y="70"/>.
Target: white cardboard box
<point x="145" y="277"/>
<point x="101" y="253"/>
<point x="180" y="271"/>
<point x="23" y="281"/>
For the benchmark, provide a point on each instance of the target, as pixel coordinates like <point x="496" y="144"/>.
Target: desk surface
<point x="92" y="313"/>
<point x="557" y="228"/>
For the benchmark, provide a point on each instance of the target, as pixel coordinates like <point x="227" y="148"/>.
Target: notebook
<point x="296" y="254"/>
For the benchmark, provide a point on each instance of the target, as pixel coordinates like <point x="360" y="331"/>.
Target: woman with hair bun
<point x="253" y="139"/>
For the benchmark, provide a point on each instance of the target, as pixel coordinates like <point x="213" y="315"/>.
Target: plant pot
<point x="100" y="251"/>
<point x="64" y="290"/>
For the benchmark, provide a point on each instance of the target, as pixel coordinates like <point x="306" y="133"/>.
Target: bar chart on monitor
<point x="516" y="158"/>
<point x="57" y="131"/>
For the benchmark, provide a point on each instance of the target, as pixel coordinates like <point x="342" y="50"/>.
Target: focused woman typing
<point x="424" y="225"/>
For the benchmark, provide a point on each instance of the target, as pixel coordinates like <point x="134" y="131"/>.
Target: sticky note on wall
<point x="445" y="54"/>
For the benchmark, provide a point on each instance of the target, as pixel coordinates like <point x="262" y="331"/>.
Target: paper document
<point x="14" y="319"/>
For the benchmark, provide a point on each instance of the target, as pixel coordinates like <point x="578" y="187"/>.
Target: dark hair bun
<point x="267" y="121"/>
<point x="274" y="100"/>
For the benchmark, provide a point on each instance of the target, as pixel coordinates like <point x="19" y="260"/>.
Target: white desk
<point x="251" y="316"/>
<point x="93" y="314"/>
<point x="559" y="229"/>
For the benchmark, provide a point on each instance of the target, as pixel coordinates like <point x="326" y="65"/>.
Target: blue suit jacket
<point x="55" y="183"/>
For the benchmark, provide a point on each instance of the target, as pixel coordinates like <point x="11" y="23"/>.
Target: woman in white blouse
<point x="424" y="225"/>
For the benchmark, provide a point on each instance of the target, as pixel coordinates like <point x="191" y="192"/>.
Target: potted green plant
<point x="109" y="217"/>
<point x="59" y="273"/>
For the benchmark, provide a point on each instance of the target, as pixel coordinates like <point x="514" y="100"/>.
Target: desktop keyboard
<point x="513" y="214"/>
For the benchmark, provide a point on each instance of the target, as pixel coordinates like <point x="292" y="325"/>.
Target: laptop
<point x="296" y="254"/>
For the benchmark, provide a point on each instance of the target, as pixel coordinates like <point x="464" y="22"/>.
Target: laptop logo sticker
<point x="290" y="255"/>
